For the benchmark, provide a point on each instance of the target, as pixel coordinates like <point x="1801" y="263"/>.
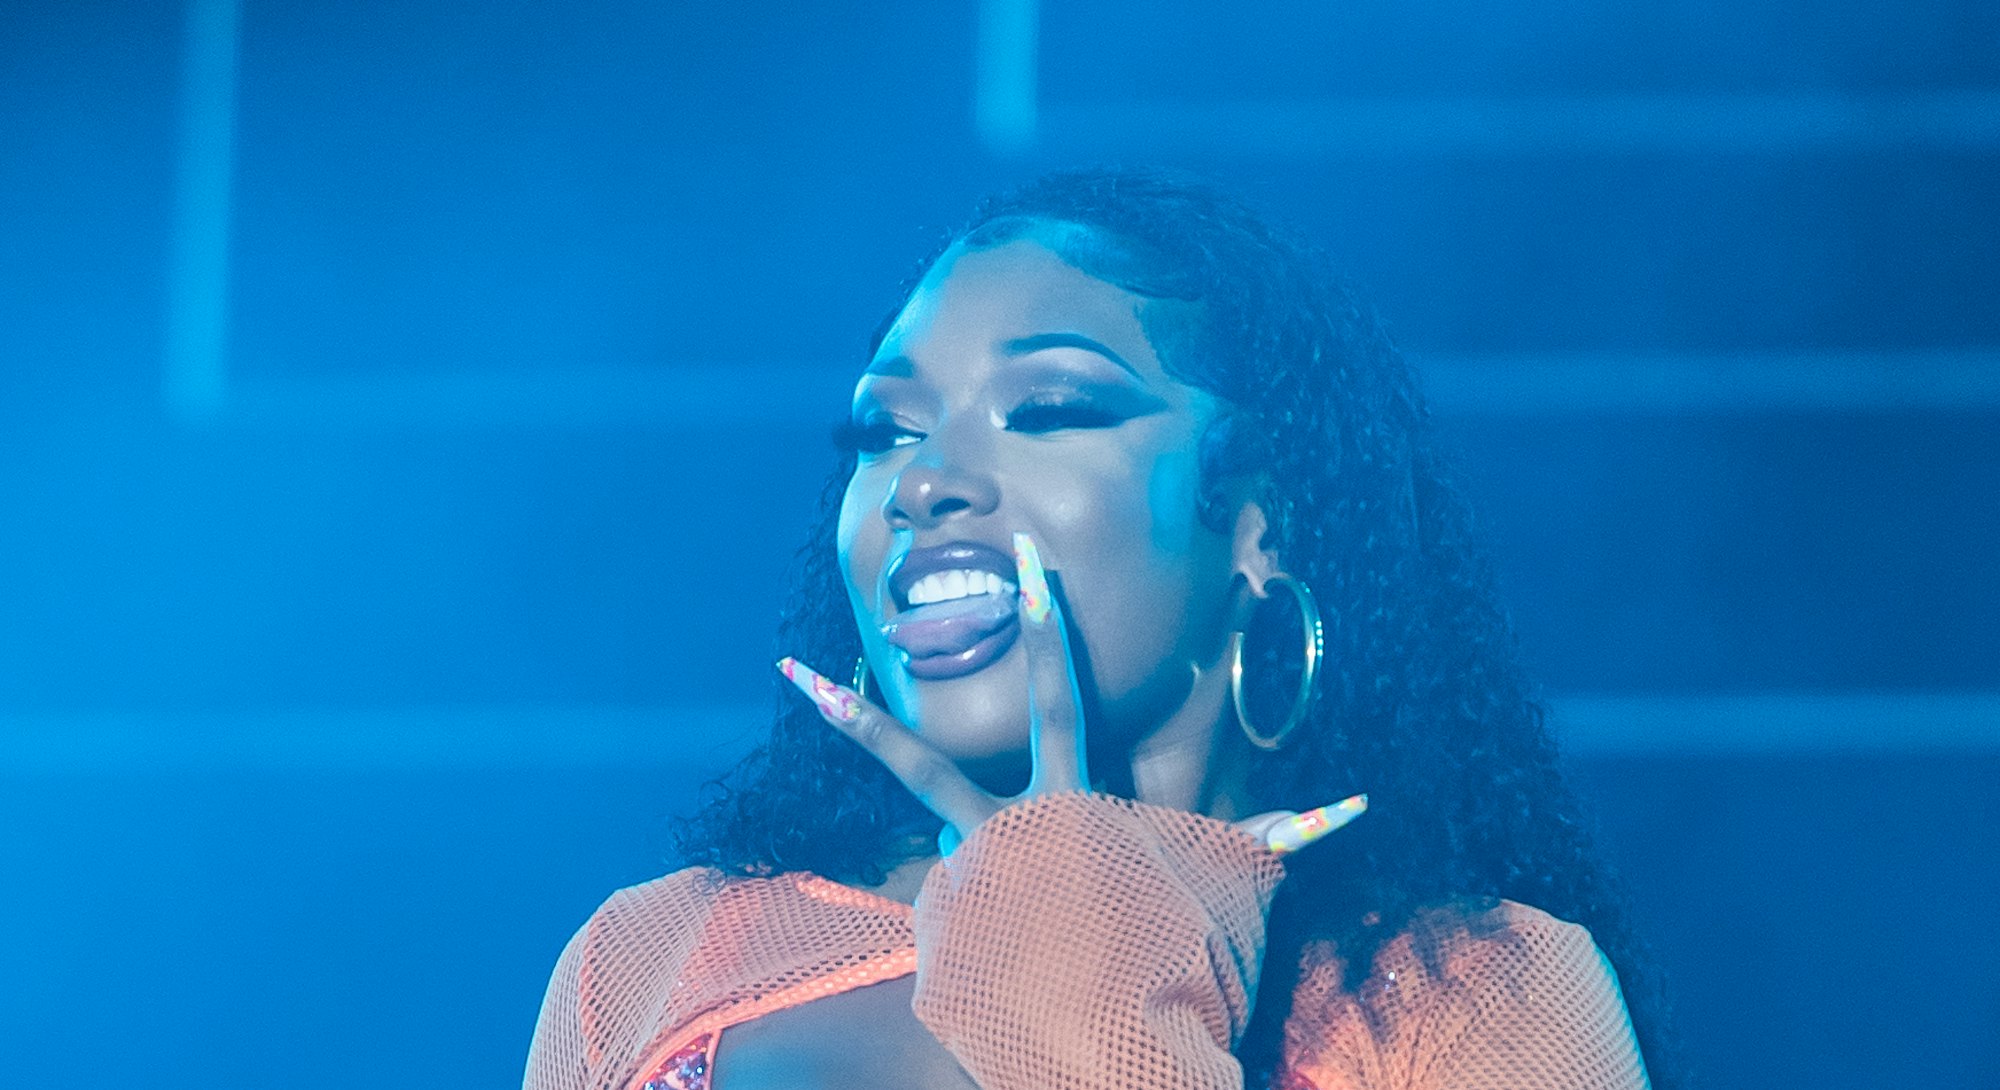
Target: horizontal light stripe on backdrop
<point x="741" y="395"/>
<point x="711" y="737"/>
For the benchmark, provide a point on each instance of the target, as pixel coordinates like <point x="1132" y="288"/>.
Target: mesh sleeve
<point x="1514" y="1000"/>
<point x="556" y="1056"/>
<point x="614" y="989"/>
<point x="1541" y="1008"/>
<point x="1083" y="942"/>
<point x="656" y="957"/>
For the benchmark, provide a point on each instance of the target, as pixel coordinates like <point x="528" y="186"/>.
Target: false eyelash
<point x="1052" y="416"/>
<point x="871" y="438"/>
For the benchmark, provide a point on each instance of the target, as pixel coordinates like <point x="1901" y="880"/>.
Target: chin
<point x="995" y="756"/>
<point x="960" y="723"/>
<point x="1001" y="775"/>
<point x="970" y="739"/>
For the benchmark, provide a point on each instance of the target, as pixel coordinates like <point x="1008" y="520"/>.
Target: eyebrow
<point x="1021" y="346"/>
<point x="900" y="366"/>
<point x="893" y="367"/>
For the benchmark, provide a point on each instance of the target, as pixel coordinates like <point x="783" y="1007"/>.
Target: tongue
<point x="950" y="628"/>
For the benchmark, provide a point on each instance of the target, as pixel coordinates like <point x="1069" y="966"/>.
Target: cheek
<point x="1173" y="502"/>
<point x="1117" y="499"/>
<point x="861" y="541"/>
<point x="1145" y="515"/>
<point x="1144" y="569"/>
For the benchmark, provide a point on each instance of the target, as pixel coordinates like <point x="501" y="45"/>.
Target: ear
<point x="1251" y="558"/>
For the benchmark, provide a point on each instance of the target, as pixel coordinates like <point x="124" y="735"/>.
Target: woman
<point x="1142" y="544"/>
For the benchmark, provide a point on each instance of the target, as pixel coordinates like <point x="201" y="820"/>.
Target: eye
<point x="1036" y="417"/>
<point x="875" y="435"/>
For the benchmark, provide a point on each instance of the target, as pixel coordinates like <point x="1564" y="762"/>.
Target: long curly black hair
<point x="1421" y="701"/>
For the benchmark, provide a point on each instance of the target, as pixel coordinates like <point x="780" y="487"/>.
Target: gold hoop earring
<point x="861" y="688"/>
<point x="1315" y="645"/>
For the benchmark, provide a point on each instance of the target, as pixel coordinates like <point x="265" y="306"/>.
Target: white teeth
<point x="946" y="586"/>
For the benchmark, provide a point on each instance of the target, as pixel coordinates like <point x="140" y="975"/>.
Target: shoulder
<point x="699" y="930"/>
<point x="1498" y="943"/>
<point x="620" y="981"/>
<point x="639" y="934"/>
<point x="1506" y="961"/>
<point x="1501" y="994"/>
<point x="650" y="930"/>
<point x="656" y="955"/>
<point x="1528" y="994"/>
<point x="618" y="965"/>
<point x="670" y="902"/>
<point x="1515" y="945"/>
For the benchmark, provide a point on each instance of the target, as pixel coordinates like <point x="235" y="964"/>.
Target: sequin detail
<point x="684" y="1070"/>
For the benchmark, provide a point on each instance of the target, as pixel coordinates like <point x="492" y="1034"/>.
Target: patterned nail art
<point x="1300" y="830"/>
<point x="834" y="702"/>
<point x="1035" y="599"/>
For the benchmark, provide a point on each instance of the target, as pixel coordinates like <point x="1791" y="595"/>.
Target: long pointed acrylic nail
<point x="1299" y="830"/>
<point x="835" y="703"/>
<point x="1036" y="601"/>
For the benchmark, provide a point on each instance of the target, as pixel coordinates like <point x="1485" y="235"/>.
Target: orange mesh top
<point x="1080" y="942"/>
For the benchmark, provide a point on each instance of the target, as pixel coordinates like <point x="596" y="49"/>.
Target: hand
<point x="1056" y="749"/>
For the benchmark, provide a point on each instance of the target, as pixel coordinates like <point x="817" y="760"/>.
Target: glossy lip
<point x="903" y="574"/>
<point x="969" y="661"/>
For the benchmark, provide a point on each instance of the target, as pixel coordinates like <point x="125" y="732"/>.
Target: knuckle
<point x="867" y="730"/>
<point x="1046" y="639"/>
<point x="927" y="773"/>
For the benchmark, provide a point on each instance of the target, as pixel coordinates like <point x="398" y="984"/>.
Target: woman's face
<point x="1016" y="393"/>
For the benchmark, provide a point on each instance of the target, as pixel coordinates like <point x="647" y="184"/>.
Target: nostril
<point x="929" y="491"/>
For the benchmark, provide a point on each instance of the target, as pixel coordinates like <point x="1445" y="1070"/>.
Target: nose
<point x="939" y="484"/>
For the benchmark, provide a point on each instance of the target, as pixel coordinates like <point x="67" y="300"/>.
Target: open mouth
<point x="956" y="611"/>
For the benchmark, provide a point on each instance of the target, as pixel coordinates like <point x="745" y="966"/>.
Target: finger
<point x="1055" y="707"/>
<point x="931" y="776"/>
<point x="1283" y="831"/>
<point x="1259" y="828"/>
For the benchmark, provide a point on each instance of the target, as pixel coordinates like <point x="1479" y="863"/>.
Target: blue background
<point x="407" y="411"/>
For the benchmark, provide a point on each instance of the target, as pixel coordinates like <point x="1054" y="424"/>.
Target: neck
<point x="906" y="880"/>
<point x="1194" y="761"/>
